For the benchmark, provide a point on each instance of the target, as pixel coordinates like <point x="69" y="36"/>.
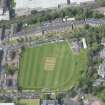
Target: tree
<point x="97" y="15"/>
<point x="10" y="70"/>
<point x="101" y="2"/>
<point x="13" y="54"/>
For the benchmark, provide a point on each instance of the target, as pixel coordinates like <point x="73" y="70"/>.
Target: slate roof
<point x="101" y="70"/>
<point x="49" y="102"/>
<point x="68" y="101"/>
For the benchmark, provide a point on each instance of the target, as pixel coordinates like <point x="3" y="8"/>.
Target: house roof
<point x="101" y="70"/>
<point x="95" y="21"/>
<point x="38" y="3"/>
<point x="96" y="103"/>
<point x="49" y="102"/>
<point x="101" y="9"/>
<point x="68" y="101"/>
<point x="102" y="53"/>
<point x="4" y="16"/>
<point x="103" y="40"/>
<point x="81" y="1"/>
<point x="7" y="104"/>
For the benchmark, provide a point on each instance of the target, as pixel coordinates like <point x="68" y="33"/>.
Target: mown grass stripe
<point x="66" y="72"/>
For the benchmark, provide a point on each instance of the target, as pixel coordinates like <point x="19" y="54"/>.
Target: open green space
<point x="51" y="67"/>
<point x="29" y="102"/>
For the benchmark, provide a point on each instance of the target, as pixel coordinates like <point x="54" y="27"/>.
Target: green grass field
<point x="29" y="102"/>
<point x="53" y="67"/>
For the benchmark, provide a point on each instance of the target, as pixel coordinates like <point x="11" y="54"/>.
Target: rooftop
<point x="38" y="3"/>
<point x="101" y="10"/>
<point x="81" y="1"/>
<point x="96" y="103"/>
<point x="49" y="102"/>
<point x="7" y="104"/>
<point x="45" y="3"/>
<point x="4" y="16"/>
<point x="101" y="70"/>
